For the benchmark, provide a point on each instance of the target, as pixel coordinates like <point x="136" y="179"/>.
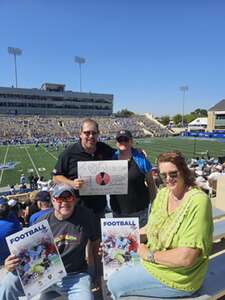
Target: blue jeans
<point x="136" y="281"/>
<point x="72" y="287"/>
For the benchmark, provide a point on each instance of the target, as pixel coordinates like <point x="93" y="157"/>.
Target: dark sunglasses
<point x="123" y="139"/>
<point x="65" y="197"/>
<point x="172" y="175"/>
<point x="89" y="132"/>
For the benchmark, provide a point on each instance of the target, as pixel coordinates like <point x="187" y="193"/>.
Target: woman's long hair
<point x="177" y="158"/>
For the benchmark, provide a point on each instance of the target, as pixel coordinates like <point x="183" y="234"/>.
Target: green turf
<point x="42" y="162"/>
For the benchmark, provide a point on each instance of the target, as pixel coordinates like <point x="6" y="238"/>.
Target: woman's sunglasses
<point x="172" y="175"/>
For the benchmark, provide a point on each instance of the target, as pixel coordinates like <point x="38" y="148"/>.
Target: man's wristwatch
<point x="150" y="257"/>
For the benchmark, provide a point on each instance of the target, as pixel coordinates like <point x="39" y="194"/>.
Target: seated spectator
<point x="72" y="226"/>
<point x="12" y="190"/>
<point x="31" y="181"/>
<point x="22" y="179"/>
<point x="216" y="171"/>
<point x="23" y="188"/>
<point x="42" y="184"/>
<point x="43" y="203"/>
<point x="155" y="174"/>
<point x="35" y="180"/>
<point x="14" y="211"/>
<point x="32" y="206"/>
<point x="202" y="181"/>
<point x="179" y="239"/>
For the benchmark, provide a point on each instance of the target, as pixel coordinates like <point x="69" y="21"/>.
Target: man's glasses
<point x="90" y="132"/>
<point x="123" y="139"/>
<point x="64" y="198"/>
<point x="172" y="175"/>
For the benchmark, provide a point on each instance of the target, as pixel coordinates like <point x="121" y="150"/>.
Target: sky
<point x="141" y="51"/>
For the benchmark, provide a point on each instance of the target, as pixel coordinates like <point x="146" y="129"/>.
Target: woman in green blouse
<point x="179" y="238"/>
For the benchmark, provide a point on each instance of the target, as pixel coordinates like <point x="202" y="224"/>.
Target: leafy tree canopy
<point x="177" y="119"/>
<point x="165" y="120"/>
<point x="124" y="113"/>
<point x="200" y="112"/>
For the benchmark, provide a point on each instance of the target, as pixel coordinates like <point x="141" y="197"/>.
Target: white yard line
<point x="32" y="161"/>
<point x="6" y="153"/>
<point x="56" y="158"/>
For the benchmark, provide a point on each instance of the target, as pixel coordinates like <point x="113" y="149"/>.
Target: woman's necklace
<point x="175" y="201"/>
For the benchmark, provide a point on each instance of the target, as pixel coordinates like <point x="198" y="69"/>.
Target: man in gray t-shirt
<point x="72" y="226"/>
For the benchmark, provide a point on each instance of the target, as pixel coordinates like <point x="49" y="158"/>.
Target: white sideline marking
<point x="41" y="169"/>
<point x="56" y="158"/>
<point x="32" y="161"/>
<point x="6" y="153"/>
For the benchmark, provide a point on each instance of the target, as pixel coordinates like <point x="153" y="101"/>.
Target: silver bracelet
<point x="150" y="257"/>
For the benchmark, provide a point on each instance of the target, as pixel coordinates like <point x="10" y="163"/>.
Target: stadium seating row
<point x="35" y="127"/>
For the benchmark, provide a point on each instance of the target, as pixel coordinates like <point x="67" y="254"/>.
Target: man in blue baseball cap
<point x="73" y="226"/>
<point x="44" y="204"/>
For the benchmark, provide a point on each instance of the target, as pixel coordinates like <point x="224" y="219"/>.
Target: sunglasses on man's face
<point x="172" y="175"/>
<point x="123" y="139"/>
<point x="65" y="197"/>
<point x="90" y="132"/>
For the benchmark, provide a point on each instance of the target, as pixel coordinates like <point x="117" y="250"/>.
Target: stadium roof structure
<point x="199" y="122"/>
<point x="220" y="106"/>
<point x="56" y="87"/>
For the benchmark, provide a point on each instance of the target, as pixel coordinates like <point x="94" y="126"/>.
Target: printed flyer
<point x="41" y="264"/>
<point x="103" y="177"/>
<point x="120" y="240"/>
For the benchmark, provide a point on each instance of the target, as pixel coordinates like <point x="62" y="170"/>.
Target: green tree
<point x="189" y="118"/>
<point x="165" y="120"/>
<point x="200" y="112"/>
<point x="177" y="119"/>
<point x="124" y="113"/>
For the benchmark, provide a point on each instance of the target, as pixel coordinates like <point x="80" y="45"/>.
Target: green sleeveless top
<point x="190" y="225"/>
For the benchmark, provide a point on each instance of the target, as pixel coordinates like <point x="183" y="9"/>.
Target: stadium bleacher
<point x="29" y="128"/>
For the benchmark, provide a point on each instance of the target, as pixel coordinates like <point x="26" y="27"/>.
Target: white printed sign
<point x="103" y="177"/>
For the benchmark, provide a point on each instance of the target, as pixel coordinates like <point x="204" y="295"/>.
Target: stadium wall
<point x="44" y="102"/>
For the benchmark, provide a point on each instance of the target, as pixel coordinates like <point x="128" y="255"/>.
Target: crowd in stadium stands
<point x="207" y="170"/>
<point x="29" y="184"/>
<point x="27" y="129"/>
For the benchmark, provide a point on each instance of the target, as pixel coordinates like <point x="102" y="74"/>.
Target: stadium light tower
<point x="15" y="52"/>
<point x="80" y="60"/>
<point x="184" y="89"/>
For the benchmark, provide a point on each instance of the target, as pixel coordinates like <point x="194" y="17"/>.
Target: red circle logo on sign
<point x="102" y="178"/>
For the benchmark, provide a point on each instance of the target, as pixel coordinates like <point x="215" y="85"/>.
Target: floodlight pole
<point x="15" y="52"/>
<point x="80" y="78"/>
<point x="80" y="61"/>
<point x="184" y="89"/>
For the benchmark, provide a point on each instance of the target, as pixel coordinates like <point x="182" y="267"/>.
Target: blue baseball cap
<point x="60" y="188"/>
<point x="43" y="196"/>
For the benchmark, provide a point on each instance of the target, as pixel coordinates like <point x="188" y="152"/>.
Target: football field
<point x="15" y="160"/>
